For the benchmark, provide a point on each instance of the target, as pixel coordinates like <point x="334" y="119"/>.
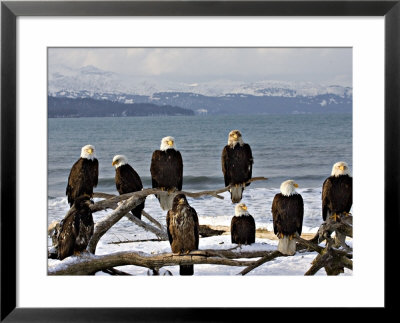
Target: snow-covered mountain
<point x="213" y="97"/>
<point x="92" y="80"/>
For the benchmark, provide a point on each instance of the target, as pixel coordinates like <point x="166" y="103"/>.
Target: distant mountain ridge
<point x="214" y="97"/>
<point x="87" y="107"/>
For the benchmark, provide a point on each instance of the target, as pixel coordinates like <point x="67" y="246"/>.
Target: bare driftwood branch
<point x="152" y="220"/>
<point x="308" y="244"/>
<point x="105" y="224"/>
<point x="333" y="260"/>
<point x="270" y="256"/>
<point x="131" y="200"/>
<point x="160" y="233"/>
<point x="115" y="272"/>
<point x="87" y="263"/>
<point x="111" y="199"/>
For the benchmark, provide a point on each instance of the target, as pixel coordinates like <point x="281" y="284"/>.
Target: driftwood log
<point x="87" y="263"/>
<point x="130" y="201"/>
<point x="331" y="258"/>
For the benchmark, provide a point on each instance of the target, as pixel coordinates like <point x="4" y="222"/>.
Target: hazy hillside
<point x="86" y="107"/>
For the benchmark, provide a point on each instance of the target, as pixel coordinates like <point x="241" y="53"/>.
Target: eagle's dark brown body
<point x="237" y="166"/>
<point x="243" y="229"/>
<point x="76" y="229"/>
<point x="337" y="195"/>
<point x="287" y="214"/>
<point x="166" y="173"/>
<point x="127" y="180"/>
<point x="183" y="230"/>
<point x="166" y="169"/>
<point x="82" y="178"/>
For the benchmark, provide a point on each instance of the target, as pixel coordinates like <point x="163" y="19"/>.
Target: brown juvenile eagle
<point x="183" y="230"/>
<point x="76" y="229"/>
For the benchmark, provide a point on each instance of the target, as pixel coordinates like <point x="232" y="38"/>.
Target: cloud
<point x="322" y="65"/>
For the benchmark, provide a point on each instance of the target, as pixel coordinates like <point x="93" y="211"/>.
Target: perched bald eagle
<point x="287" y="213"/>
<point x="166" y="171"/>
<point x="237" y="164"/>
<point x="76" y="228"/>
<point x="127" y="180"/>
<point x="183" y="230"/>
<point x="337" y="191"/>
<point x="337" y="196"/>
<point x="243" y="226"/>
<point x="83" y="176"/>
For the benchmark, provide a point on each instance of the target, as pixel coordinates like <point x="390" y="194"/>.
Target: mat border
<point x="10" y="10"/>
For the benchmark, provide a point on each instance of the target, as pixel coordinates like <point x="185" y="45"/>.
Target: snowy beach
<point x="126" y="236"/>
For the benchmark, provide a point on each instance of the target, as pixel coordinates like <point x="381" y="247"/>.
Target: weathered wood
<point x="131" y="200"/>
<point x="331" y="259"/>
<point x="270" y="256"/>
<point x="111" y="199"/>
<point x="106" y="223"/>
<point x="207" y="231"/>
<point x="308" y="244"/>
<point x="88" y="263"/>
<point x="161" y="234"/>
<point x="154" y="221"/>
<point x="115" y="272"/>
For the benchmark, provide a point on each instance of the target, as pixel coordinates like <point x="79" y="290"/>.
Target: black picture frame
<point x="10" y="10"/>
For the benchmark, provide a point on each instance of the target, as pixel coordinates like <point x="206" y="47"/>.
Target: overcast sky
<point x="326" y="66"/>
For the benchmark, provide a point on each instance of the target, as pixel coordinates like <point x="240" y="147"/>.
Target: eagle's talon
<point x="334" y="216"/>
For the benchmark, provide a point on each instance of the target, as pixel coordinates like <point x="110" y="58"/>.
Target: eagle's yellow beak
<point x="170" y="142"/>
<point x="235" y="136"/>
<point x="296" y="185"/>
<point x="90" y="151"/>
<point x="114" y="162"/>
<point x="341" y="167"/>
<point x="244" y="207"/>
<point x="182" y="201"/>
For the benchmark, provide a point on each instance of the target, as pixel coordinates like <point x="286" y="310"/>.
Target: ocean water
<point x="299" y="147"/>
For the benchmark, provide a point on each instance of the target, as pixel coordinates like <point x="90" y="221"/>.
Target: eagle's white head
<point x="167" y="143"/>
<point x="119" y="160"/>
<point x="288" y="187"/>
<point x="235" y="137"/>
<point x="340" y="168"/>
<point x="88" y="152"/>
<point x="241" y="209"/>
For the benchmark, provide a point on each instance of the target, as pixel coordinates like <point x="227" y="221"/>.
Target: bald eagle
<point x="287" y="213"/>
<point x="76" y="228"/>
<point x="243" y="226"/>
<point x="337" y="192"/>
<point x="237" y="164"/>
<point x="337" y="196"/>
<point x="183" y="230"/>
<point x="166" y="171"/>
<point x="127" y="180"/>
<point x="84" y="175"/>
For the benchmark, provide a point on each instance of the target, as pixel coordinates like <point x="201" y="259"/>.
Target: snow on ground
<point x="284" y="266"/>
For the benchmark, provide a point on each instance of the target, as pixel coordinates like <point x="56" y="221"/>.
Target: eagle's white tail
<point x="287" y="246"/>
<point x="236" y="194"/>
<point x="166" y="200"/>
